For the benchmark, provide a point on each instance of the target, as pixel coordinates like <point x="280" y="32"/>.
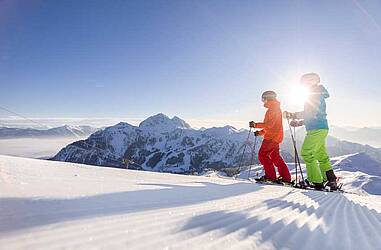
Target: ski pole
<point x="252" y="156"/>
<point x="297" y="159"/>
<point x="296" y="163"/>
<point x="244" y="150"/>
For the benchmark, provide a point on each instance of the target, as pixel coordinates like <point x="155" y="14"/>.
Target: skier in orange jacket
<point x="272" y="132"/>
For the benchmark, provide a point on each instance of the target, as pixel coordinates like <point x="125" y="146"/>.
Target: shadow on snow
<point x="22" y="213"/>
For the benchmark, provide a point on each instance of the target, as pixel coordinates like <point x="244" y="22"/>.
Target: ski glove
<point x="289" y="115"/>
<point x="252" y="124"/>
<point x="295" y="123"/>
<point x="256" y="133"/>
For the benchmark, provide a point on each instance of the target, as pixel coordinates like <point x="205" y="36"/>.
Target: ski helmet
<point x="310" y="79"/>
<point x="269" y="95"/>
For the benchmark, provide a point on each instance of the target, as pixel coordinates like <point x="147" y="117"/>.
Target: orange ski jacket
<point x="272" y="125"/>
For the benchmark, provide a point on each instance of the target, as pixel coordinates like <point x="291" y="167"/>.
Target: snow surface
<point x="50" y="205"/>
<point x="359" y="173"/>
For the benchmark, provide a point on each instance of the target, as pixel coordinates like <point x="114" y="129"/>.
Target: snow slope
<point x="50" y="205"/>
<point x="359" y="173"/>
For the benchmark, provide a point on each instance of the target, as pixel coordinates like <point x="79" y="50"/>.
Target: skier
<point x="272" y="131"/>
<point x="314" y="118"/>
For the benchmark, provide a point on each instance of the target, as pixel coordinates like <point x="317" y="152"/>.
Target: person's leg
<point x="308" y="153"/>
<point x="321" y="154"/>
<point x="280" y="164"/>
<point x="265" y="160"/>
<point x="324" y="162"/>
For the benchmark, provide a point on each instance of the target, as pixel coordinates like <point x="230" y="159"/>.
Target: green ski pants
<point x="315" y="155"/>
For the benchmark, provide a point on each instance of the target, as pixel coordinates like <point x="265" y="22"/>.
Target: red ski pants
<point x="269" y="156"/>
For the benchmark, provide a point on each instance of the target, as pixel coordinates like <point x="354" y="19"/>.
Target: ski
<point x="303" y="187"/>
<point x="278" y="183"/>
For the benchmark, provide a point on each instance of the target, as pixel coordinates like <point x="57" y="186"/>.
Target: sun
<point x="298" y="94"/>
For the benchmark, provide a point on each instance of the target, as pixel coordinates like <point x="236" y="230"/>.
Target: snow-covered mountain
<point x="63" y="131"/>
<point x="171" y="145"/>
<point x="59" y="205"/>
<point x="160" y="144"/>
<point x="161" y="123"/>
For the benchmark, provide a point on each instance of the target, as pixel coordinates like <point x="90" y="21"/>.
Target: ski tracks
<point x="267" y="219"/>
<point x="176" y="214"/>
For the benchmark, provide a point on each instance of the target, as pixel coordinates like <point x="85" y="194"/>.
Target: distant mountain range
<point x="63" y="131"/>
<point x="370" y="136"/>
<point x="171" y="145"/>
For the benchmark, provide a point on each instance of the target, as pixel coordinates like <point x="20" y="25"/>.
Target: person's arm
<point x="296" y="115"/>
<point x="268" y="123"/>
<point x="253" y="124"/>
<point x="260" y="125"/>
<point x="313" y="109"/>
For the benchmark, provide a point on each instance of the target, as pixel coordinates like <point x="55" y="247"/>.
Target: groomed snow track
<point x="51" y="205"/>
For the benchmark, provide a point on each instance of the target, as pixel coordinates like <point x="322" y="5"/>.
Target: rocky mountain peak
<point x="163" y="123"/>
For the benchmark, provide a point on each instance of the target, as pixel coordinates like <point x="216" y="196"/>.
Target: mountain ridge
<point x="61" y="131"/>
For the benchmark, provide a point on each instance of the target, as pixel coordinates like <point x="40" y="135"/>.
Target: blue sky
<point x="205" y="61"/>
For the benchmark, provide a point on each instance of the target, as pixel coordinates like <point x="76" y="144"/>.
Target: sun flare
<point x="298" y="94"/>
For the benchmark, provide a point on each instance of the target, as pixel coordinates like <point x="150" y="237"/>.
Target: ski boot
<point x="281" y="181"/>
<point x="318" y="186"/>
<point x="302" y="184"/>
<point x="314" y="185"/>
<point x="331" y="183"/>
<point x="261" y="179"/>
<point x="264" y="179"/>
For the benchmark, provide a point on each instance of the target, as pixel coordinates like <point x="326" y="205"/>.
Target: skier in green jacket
<point x="314" y="118"/>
